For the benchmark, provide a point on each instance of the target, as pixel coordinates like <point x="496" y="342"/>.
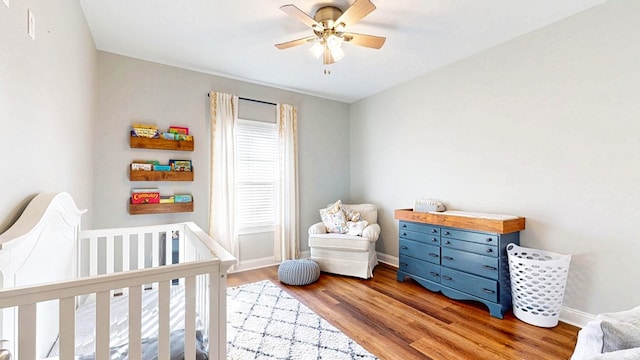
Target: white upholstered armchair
<point x="351" y="248"/>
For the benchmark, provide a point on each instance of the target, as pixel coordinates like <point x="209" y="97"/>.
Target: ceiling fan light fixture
<point x="334" y="42"/>
<point x="317" y="49"/>
<point x="337" y="54"/>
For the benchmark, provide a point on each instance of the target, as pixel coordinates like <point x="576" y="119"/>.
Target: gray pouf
<point x="298" y="272"/>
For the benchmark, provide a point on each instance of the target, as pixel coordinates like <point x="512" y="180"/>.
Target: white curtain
<point x="287" y="229"/>
<point x="224" y="115"/>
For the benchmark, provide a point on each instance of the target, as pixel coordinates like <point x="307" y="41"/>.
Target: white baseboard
<point x="245" y="265"/>
<point x="388" y="259"/>
<point x="575" y="317"/>
<point x="252" y="264"/>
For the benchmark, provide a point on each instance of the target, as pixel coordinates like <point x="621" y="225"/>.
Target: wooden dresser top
<point x="480" y="223"/>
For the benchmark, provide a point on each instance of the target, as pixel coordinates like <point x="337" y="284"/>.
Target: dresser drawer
<point x="423" y="269"/>
<point x="482" y="249"/>
<point x="427" y="229"/>
<point x="471" y="236"/>
<point x="420" y="251"/>
<point x="419" y="236"/>
<point x="469" y="262"/>
<point x="470" y="284"/>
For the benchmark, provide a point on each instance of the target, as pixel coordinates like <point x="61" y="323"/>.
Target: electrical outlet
<point x="31" y="24"/>
<point x="6" y="2"/>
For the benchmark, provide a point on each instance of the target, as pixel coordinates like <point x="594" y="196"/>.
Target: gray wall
<point x="47" y="105"/>
<point x="545" y="126"/>
<point x="139" y="91"/>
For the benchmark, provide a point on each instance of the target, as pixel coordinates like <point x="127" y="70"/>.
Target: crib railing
<point x="128" y="261"/>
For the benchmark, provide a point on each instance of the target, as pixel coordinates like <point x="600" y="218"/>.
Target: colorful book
<point x="180" y="165"/>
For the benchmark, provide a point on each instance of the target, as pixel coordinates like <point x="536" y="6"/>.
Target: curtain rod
<point x="254" y="100"/>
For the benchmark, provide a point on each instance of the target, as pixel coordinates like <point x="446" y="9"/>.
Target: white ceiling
<point x="235" y="38"/>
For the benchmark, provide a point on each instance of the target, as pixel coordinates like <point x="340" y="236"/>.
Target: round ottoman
<point x="298" y="272"/>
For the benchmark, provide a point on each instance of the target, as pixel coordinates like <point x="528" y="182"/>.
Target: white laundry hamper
<point x="538" y="282"/>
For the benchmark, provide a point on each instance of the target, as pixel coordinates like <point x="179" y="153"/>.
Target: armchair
<point x="347" y="253"/>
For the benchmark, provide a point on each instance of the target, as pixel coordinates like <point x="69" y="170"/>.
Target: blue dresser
<point x="463" y="257"/>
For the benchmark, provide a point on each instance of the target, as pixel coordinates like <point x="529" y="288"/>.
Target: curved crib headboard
<point x="40" y="247"/>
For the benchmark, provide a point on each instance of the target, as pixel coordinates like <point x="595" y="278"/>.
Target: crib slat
<point x="110" y="254"/>
<point x="135" y="321"/>
<point x="141" y="253"/>
<point x="27" y="331"/>
<point x="103" y="322"/>
<point x="155" y="250"/>
<point x="168" y="248"/>
<point x="189" y="317"/>
<point x="67" y="327"/>
<point x="163" y="320"/>
<point x="126" y="252"/>
<point x="217" y="307"/>
<point x="93" y="256"/>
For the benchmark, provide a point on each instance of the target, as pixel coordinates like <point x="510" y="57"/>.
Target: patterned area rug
<point x="264" y="322"/>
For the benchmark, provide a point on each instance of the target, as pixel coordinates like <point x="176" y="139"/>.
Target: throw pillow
<point x="356" y="227"/>
<point x="619" y="336"/>
<point x="334" y="218"/>
<point x="352" y="215"/>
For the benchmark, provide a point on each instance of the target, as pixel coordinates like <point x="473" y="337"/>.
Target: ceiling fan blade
<point x="327" y="58"/>
<point x="292" y="43"/>
<point x="370" y="41"/>
<point x="301" y="16"/>
<point x="356" y="12"/>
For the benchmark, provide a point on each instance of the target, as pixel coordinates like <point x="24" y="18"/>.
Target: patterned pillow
<point x="334" y="218"/>
<point x="356" y="228"/>
<point x="352" y="215"/>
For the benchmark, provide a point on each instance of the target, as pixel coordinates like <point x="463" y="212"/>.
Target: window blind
<point x="257" y="170"/>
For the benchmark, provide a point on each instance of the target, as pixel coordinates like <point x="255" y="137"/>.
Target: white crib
<point x="49" y="268"/>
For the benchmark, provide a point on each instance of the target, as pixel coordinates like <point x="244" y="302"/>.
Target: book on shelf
<point x="180" y="165"/>
<point x="141" y="166"/>
<point x="182" y="198"/>
<point x="161" y="167"/>
<point x="167" y="200"/>
<point x="145" y="197"/>
<point x="179" y="130"/>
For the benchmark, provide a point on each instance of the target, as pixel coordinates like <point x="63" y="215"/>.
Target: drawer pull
<point x="434" y="231"/>
<point x="447" y="258"/>
<point x="489" y="239"/>
<point x="487" y="267"/>
<point x="434" y="240"/>
<point x="434" y="255"/>
<point x="404" y="234"/>
<point x="489" y="250"/>
<point x="404" y="226"/>
<point x="488" y="291"/>
<point x="447" y="233"/>
<point x="447" y="242"/>
<point x="446" y="277"/>
<point x="404" y="264"/>
<point x="402" y="247"/>
<point x="433" y="273"/>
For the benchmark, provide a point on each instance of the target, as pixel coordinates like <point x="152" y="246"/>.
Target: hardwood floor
<point x="402" y="320"/>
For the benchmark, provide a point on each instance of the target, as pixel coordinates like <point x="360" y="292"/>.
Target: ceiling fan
<point x="329" y="26"/>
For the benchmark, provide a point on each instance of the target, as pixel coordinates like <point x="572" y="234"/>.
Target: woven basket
<point x="538" y="281"/>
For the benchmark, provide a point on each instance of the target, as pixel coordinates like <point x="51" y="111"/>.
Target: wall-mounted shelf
<point x="139" y="209"/>
<point x="162" y="144"/>
<point x="142" y="175"/>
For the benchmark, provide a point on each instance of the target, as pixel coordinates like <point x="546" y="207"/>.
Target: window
<point x="256" y="175"/>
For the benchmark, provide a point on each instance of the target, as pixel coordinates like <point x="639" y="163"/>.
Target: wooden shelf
<point x="142" y="175"/>
<point x="464" y="222"/>
<point x="139" y="209"/>
<point x="162" y="144"/>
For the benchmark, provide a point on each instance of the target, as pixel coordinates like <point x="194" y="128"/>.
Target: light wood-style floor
<point x="402" y="320"/>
